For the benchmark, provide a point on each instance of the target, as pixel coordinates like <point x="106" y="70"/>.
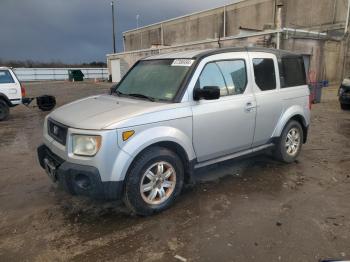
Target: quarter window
<point x="293" y="72"/>
<point x="264" y="71"/>
<point x="5" y="77"/>
<point x="229" y="76"/>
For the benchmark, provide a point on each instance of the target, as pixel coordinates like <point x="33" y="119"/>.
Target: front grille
<point x="57" y="131"/>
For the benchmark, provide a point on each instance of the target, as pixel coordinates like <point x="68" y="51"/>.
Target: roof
<point x="199" y="54"/>
<point x="175" y="55"/>
<point x="4" y="67"/>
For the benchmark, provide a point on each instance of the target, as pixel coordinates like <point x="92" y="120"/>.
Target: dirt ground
<point x="253" y="209"/>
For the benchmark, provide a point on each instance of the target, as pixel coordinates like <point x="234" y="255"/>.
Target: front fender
<point x="147" y="136"/>
<point x="287" y="115"/>
<point x="158" y="134"/>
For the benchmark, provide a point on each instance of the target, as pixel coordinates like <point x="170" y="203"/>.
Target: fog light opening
<point x="82" y="181"/>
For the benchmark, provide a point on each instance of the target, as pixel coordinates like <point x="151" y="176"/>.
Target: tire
<point x="4" y="110"/>
<point x="344" y="106"/>
<point x="155" y="198"/>
<point x="288" y="150"/>
<point x="46" y="103"/>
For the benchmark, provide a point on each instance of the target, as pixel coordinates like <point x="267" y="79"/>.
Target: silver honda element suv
<point x="173" y="113"/>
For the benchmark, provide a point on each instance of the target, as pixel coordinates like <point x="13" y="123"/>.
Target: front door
<point x="226" y="125"/>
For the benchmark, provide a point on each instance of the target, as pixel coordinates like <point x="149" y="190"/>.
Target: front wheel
<point x="154" y="181"/>
<point x="290" y="142"/>
<point x="4" y="110"/>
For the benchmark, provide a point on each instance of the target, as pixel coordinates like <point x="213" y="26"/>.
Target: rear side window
<point x="264" y="71"/>
<point x="5" y="77"/>
<point x="293" y="72"/>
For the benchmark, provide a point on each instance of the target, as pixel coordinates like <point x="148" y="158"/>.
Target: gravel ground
<point x="253" y="209"/>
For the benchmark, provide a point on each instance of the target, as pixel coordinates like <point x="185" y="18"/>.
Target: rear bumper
<point x="15" y="102"/>
<point x="78" y="179"/>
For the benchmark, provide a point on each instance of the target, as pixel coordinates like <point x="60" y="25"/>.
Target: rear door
<point x="225" y="125"/>
<point x="269" y="104"/>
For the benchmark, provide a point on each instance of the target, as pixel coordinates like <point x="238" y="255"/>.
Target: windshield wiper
<point x="152" y="99"/>
<point x="118" y="93"/>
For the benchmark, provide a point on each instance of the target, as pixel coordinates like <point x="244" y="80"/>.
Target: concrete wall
<point x="208" y="25"/>
<point x="227" y="21"/>
<point x="329" y="59"/>
<point x="129" y="58"/>
<point x="255" y="15"/>
<point x="251" y="14"/>
<point x="326" y="56"/>
<point x="142" y="39"/>
<point x="315" y="14"/>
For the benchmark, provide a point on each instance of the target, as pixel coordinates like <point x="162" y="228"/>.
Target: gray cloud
<point x="79" y="30"/>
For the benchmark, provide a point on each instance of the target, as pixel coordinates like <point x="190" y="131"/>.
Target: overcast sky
<point x="79" y="30"/>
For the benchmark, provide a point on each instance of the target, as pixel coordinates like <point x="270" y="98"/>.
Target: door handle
<point x="249" y="107"/>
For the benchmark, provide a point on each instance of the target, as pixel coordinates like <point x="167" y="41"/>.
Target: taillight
<point x="23" y="90"/>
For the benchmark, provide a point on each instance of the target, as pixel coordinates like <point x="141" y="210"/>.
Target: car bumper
<point x="344" y="99"/>
<point x="78" y="179"/>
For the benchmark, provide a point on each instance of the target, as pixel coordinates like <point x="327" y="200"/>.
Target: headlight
<point x="85" y="145"/>
<point x="341" y="91"/>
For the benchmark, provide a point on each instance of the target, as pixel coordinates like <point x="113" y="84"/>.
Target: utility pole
<point x="137" y="21"/>
<point x="113" y="27"/>
<point x="278" y="24"/>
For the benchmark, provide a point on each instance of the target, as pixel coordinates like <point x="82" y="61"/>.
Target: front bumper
<point x="344" y="99"/>
<point x="78" y="179"/>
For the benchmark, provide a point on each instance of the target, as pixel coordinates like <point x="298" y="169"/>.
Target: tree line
<point x="52" y="64"/>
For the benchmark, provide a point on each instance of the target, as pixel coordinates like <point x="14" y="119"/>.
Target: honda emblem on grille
<point x="55" y="130"/>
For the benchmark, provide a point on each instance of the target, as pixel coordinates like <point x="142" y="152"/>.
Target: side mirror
<point x="207" y="93"/>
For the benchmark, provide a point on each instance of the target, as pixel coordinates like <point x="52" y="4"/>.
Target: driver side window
<point x="229" y="75"/>
<point x="212" y="76"/>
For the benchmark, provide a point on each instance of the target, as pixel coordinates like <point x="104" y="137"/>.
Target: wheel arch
<point x="4" y="98"/>
<point x="175" y="148"/>
<point x="174" y="139"/>
<point x="300" y="119"/>
<point x="296" y="114"/>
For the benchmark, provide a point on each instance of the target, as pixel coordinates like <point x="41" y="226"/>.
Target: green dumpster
<point x="75" y="75"/>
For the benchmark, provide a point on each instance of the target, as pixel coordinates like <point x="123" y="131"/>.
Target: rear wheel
<point x="290" y="142"/>
<point x="4" y="110"/>
<point x="154" y="181"/>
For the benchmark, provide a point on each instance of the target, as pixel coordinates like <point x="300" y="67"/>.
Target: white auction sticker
<point x="182" y="62"/>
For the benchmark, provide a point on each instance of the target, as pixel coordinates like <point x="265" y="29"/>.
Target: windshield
<point x="155" y="79"/>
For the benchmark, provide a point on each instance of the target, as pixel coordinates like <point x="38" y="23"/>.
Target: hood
<point x="99" y="112"/>
<point x="346" y="82"/>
